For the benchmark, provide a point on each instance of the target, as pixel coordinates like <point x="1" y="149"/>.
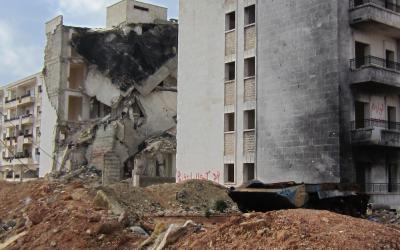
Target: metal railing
<point x="371" y="123"/>
<point x="387" y="4"/>
<point x="11" y="119"/>
<point x="382" y="187"/>
<point x="18" y="156"/>
<point x="359" y="62"/>
<point x="17" y="117"/>
<point x="10" y="100"/>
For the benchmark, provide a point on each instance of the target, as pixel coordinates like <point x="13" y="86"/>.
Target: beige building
<point x="304" y="91"/>
<point x="20" y="128"/>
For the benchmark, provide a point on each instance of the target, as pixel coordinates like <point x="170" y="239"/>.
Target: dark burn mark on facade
<point x="128" y="58"/>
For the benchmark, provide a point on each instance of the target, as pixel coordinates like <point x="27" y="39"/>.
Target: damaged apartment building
<point x="112" y="95"/>
<point x="305" y="91"/>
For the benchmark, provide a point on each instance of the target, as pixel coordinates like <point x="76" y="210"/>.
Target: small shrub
<point x="220" y="206"/>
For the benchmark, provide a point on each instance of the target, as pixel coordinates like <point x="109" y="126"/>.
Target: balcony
<point x="28" y="139"/>
<point x="27" y="119"/>
<point x="372" y="132"/>
<point x="381" y="15"/>
<point x="374" y="70"/>
<point x="25" y="99"/>
<point x="13" y="121"/>
<point x="18" y="159"/>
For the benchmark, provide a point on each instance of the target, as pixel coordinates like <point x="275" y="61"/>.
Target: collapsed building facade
<point x="112" y="95"/>
<point x="304" y="91"/>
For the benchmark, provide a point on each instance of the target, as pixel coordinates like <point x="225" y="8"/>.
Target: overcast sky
<point x="22" y="37"/>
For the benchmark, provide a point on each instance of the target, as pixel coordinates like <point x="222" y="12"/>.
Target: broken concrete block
<point x="104" y="201"/>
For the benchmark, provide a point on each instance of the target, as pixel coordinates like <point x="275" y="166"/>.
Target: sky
<point x="22" y="38"/>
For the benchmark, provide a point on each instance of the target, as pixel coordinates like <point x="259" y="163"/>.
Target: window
<point x="230" y="71"/>
<point x="230" y="19"/>
<point x="358" y="2"/>
<point x="391" y="117"/>
<point x="248" y="172"/>
<point x="74" y="108"/>
<point x="76" y="76"/>
<point x="390" y="59"/>
<point x="40" y="88"/>
<point x="249" y="119"/>
<point x="140" y="8"/>
<point x="250" y="15"/>
<point x="361" y="115"/>
<point x="230" y="122"/>
<point x="392" y="171"/>
<point x="362" y="51"/>
<point x="229" y="173"/>
<point x="250" y="67"/>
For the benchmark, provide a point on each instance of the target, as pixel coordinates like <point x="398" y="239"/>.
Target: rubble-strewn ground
<point x="60" y="215"/>
<point x="187" y="198"/>
<point x="57" y="215"/>
<point x="294" y="229"/>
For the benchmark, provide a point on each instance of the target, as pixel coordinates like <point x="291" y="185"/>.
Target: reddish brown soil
<point x="294" y="229"/>
<point x="61" y="217"/>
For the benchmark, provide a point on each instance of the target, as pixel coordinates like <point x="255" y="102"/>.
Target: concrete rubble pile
<point x="131" y="82"/>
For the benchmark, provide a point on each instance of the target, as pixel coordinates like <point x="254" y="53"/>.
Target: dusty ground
<point x="294" y="229"/>
<point x="55" y="215"/>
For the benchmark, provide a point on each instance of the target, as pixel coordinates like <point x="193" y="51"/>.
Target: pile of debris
<point x="190" y="198"/>
<point x="294" y="229"/>
<point x="385" y="216"/>
<point x="80" y="214"/>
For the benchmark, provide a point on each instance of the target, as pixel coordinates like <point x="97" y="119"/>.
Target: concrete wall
<point x="378" y="43"/>
<point x="48" y="131"/>
<point x="298" y="91"/>
<point x="201" y="90"/>
<point x="125" y="12"/>
<point x="116" y="14"/>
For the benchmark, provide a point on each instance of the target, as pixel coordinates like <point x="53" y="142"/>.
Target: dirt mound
<point x="186" y="198"/>
<point x="294" y="229"/>
<point x="52" y="215"/>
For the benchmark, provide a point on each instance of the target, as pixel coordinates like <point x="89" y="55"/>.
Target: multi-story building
<point x="304" y="91"/>
<point x="20" y="130"/>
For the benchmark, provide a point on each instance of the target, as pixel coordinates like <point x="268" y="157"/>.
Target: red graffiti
<point x="378" y="108"/>
<point x="209" y="175"/>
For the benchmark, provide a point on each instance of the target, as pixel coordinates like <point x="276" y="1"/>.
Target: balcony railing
<point x="11" y="119"/>
<point x="359" y="62"/>
<point x="18" y="156"/>
<point x="371" y="123"/>
<point x="17" y="117"/>
<point x="382" y="188"/>
<point x="10" y="100"/>
<point x="387" y="4"/>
